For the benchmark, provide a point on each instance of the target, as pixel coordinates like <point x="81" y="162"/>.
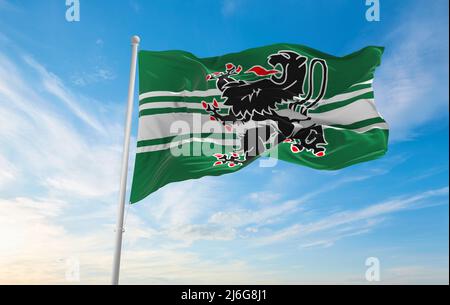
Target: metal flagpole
<point x="135" y="40"/>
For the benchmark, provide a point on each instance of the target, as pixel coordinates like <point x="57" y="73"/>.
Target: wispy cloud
<point x="184" y="220"/>
<point x="364" y="216"/>
<point x="97" y="75"/>
<point x="349" y="231"/>
<point x="58" y="155"/>
<point x="412" y="83"/>
<point x="99" y="71"/>
<point x="54" y="86"/>
<point x="44" y="141"/>
<point x="8" y="172"/>
<point x="7" y="5"/>
<point x="415" y="274"/>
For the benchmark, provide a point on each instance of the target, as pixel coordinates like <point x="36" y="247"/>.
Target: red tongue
<point x="230" y="66"/>
<point x="260" y="71"/>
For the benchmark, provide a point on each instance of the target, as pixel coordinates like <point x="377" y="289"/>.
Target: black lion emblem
<point x="254" y="106"/>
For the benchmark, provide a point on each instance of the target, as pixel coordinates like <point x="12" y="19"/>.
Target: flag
<point x="213" y="116"/>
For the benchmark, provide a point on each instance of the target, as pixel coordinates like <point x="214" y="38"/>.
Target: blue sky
<point x="63" y="88"/>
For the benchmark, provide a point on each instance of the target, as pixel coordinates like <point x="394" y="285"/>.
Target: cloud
<point x="56" y="153"/>
<point x="36" y="246"/>
<point x="29" y="243"/>
<point x="8" y="172"/>
<point x="54" y="86"/>
<point x="98" y="74"/>
<point x="412" y="83"/>
<point x="349" y="231"/>
<point x="365" y="216"/>
<point x="7" y="5"/>
<point x="184" y="220"/>
<point x="414" y="274"/>
<point x="64" y="159"/>
<point x="264" y="197"/>
<point x="259" y="217"/>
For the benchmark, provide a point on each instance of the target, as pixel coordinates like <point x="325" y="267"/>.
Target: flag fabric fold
<point x="212" y="116"/>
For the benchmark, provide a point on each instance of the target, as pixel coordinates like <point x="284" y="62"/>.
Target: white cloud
<point x="259" y="217"/>
<point x="8" y="172"/>
<point x="415" y="275"/>
<point x="177" y="213"/>
<point x="98" y="74"/>
<point x="264" y="197"/>
<point x="36" y="246"/>
<point x="29" y="242"/>
<point x="67" y="154"/>
<point x="357" y="217"/>
<point x="349" y="231"/>
<point x="177" y="204"/>
<point x="412" y="82"/>
<point x="55" y="86"/>
<point x="44" y="141"/>
<point x="98" y="71"/>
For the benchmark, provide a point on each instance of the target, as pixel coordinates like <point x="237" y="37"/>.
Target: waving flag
<point x="213" y="116"/>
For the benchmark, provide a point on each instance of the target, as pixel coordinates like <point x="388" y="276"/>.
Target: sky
<point x="63" y="89"/>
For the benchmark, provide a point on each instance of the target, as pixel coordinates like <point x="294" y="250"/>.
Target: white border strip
<point x="199" y="93"/>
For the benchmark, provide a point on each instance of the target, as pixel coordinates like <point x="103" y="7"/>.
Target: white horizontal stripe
<point x="223" y="142"/>
<point x="370" y="127"/>
<point x="200" y="93"/>
<point x="158" y="105"/>
<point x="171" y="124"/>
<point x="344" y="96"/>
<point x="366" y="128"/>
<point x="370" y="81"/>
<point x="357" y="111"/>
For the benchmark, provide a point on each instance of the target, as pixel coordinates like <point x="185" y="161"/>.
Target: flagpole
<point x="135" y="40"/>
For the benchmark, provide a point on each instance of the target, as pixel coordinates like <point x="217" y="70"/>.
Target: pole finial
<point x="135" y="39"/>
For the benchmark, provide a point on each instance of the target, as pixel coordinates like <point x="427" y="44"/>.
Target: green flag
<point x="212" y="116"/>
